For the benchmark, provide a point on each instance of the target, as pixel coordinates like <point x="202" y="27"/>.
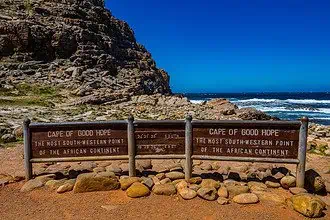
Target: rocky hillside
<point x="77" y="45"/>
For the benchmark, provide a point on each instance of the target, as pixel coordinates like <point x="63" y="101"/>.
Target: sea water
<point x="286" y="106"/>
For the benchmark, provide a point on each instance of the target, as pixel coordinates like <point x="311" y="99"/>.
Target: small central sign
<point x="160" y="140"/>
<point x="79" y="141"/>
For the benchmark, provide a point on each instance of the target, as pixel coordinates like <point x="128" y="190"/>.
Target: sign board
<point x="78" y="140"/>
<point x="246" y="140"/>
<point x="160" y="139"/>
<point x="255" y="141"/>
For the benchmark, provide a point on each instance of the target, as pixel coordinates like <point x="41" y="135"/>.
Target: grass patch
<point x="30" y="95"/>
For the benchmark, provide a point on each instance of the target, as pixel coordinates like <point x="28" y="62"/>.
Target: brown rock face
<point x="75" y="44"/>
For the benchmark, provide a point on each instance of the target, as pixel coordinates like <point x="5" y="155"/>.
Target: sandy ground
<point x="46" y="204"/>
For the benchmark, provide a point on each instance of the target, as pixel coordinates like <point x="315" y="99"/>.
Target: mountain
<point x="76" y="45"/>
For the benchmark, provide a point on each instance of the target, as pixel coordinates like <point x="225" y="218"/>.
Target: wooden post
<point x="302" y="152"/>
<point x="27" y="149"/>
<point x="188" y="148"/>
<point x="131" y="146"/>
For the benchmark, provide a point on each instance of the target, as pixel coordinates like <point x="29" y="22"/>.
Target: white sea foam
<point x="197" y="101"/>
<point x="257" y="100"/>
<point x="307" y="101"/>
<point x="294" y="101"/>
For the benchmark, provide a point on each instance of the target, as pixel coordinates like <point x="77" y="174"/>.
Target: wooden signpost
<point x="255" y="141"/>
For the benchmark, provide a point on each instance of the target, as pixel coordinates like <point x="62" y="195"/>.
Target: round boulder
<point x="288" y="181"/>
<point x="167" y="189"/>
<point x="246" y="198"/>
<point x="207" y="193"/>
<point x="136" y="190"/>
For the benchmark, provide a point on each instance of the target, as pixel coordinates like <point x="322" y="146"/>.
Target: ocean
<point x="286" y="106"/>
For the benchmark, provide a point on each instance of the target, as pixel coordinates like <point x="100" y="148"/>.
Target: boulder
<point x="128" y="181"/>
<point x="7" y="138"/>
<point x="174" y="175"/>
<point x="314" y="182"/>
<point x="246" y="198"/>
<point x="31" y="185"/>
<point x="89" y="182"/>
<point x="166" y="180"/>
<point x="235" y="190"/>
<point x="223" y="192"/>
<point x="68" y="186"/>
<point x="167" y="189"/>
<point x="137" y="189"/>
<point x="37" y="182"/>
<point x="207" y="193"/>
<point x="210" y="183"/>
<point x="187" y="193"/>
<point x="222" y="201"/>
<point x="297" y="190"/>
<point x="307" y="204"/>
<point x="195" y="180"/>
<point x="288" y="181"/>
<point x="54" y="184"/>
<point x="272" y="184"/>
<point x="148" y="182"/>
<point x="257" y="186"/>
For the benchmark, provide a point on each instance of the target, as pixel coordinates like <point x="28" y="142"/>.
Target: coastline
<point x="155" y="107"/>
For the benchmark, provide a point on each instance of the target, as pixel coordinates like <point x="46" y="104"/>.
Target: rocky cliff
<point x="75" y="44"/>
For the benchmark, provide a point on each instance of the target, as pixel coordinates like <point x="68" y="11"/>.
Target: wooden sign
<point x="254" y="140"/>
<point x="79" y="140"/>
<point x="160" y="139"/>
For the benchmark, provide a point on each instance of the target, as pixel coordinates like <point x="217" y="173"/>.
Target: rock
<point x="113" y="168"/>
<point x="194" y="187"/>
<point x="99" y="169"/>
<point x="31" y="185"/>
<point x="314" y="182"/>
<point x="174" y="182"/>
<point x="125" y="183"/>
<point x="106" y="174"/>
<point x="148" y="182"/>
<point x="256" y="186"/>
<point x="164" y="181"/>
<point x="297" y="190"/>
<point x="223" y="192"/>
<point x="155" y="180"/>
<point x="195" y="180"/>
<point x="68" y="186"/>
<point x="308" y="205"/>
<point x="327" y="187"/>
<point x="246" y="198"/>
<point x="89" y="182"/>
<point x="270" y="197"/>
<point x="288" y="181"/>
<point x="222" y="201"/>
<point x="161" y="176"/>
<point x="7" y="138"/>
<point x="207" y="193"/>
<point x="146" y="164"/>
<point x="167" y="189"/>
<point x="235" y="190"/>
<point x="54" y="184"/>
<point x="181" y="185"/>
<point x="96" y="56"/>
<point x="210" y="183"/>
<point x="137" y="189"/>
<point x="174" y="175"/>
<point x="272" y="184"/>
<point x="187" y="193"/>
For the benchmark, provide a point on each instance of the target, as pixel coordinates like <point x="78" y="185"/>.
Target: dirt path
<point x="46" y="204"/>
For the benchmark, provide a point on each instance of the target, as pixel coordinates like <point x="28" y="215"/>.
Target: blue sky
<point x="235" y="45"/>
